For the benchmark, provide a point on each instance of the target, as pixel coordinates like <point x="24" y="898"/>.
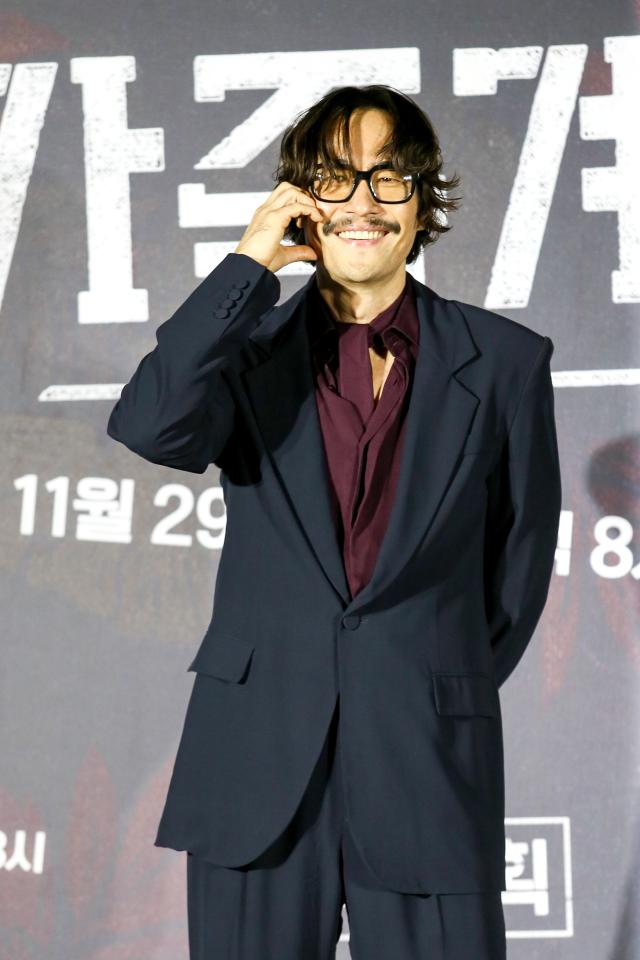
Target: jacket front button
<point x="351" y="621"/>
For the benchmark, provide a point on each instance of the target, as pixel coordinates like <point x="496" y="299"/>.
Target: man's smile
<point x="363" y="237"/>
<point x="359" y="240"/>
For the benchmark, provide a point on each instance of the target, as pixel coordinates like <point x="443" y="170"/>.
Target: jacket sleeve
<point x="524" y="502"/>
<point x="177" y="409"/>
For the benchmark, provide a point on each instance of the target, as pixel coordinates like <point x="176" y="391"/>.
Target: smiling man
<point x="391" y="475"/>
<point x="362" y="254"/>
<point x="359" y="274"/>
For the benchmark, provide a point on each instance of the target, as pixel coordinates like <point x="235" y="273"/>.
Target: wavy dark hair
<point x="413" y="148"/>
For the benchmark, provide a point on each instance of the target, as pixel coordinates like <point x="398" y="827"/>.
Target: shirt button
<point x="351" y="621"/>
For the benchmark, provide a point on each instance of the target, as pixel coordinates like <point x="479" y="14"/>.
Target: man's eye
<point x="333" y="176"/>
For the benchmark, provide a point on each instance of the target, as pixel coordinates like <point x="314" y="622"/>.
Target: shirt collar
<point x="399" y="317"/>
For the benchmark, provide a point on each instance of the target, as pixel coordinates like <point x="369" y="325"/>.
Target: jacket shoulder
<point x="510" y="352"/>
<point x="506" y="339"/>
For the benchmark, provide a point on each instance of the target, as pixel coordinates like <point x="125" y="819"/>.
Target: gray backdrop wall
<point x="135" y="143"/>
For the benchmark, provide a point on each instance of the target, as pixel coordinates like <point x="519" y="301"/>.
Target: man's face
<point x="358" y="261"/>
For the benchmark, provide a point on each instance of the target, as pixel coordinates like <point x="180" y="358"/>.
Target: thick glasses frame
<point x="366" y="175"/>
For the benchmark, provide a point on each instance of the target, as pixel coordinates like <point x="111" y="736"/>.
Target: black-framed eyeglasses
<point x="385" y="183"/>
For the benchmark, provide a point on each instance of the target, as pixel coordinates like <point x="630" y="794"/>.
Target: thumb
<point x="300" y="252"/>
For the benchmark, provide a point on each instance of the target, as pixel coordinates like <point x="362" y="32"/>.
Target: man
<point x="390" y="469"/>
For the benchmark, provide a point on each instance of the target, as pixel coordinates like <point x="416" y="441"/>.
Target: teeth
<point x="361" y="234"/>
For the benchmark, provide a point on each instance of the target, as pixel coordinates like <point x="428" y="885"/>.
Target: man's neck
<point x="358" y="303"/>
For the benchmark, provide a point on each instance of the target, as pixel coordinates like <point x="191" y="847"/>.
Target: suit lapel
<point x="439" y="416"/>
<point x="282" y="393"/>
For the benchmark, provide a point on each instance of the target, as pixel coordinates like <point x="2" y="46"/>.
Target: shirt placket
<point x="378" y="417"/>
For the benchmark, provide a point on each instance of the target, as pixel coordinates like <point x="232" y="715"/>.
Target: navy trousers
<point x="287" y="904"/>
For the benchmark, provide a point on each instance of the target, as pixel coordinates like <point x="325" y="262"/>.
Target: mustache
<point x="328" y="228"/>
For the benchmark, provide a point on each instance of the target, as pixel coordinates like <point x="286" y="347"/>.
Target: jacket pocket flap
<point x="222" y="655"/>
<point x="466" y="694"/>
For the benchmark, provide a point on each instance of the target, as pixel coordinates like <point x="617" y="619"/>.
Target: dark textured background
<point x="97" y="636"/>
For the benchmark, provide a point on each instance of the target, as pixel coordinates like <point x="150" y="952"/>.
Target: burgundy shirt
<point x="362" y="437"/>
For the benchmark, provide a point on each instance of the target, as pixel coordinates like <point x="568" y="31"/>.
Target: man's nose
<point x="362" y="198"/>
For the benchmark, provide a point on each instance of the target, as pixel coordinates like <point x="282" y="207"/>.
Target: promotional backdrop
<point x="135" y="143"/>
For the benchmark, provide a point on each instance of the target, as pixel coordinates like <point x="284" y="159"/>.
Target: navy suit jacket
<point x="418" y="656"/>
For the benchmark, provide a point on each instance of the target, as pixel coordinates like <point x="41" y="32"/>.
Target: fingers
<point x="294" y="210"/>
<point x="263" y="237"/>
<point x="291" y="254"/>
<point x="290" y="197"/>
